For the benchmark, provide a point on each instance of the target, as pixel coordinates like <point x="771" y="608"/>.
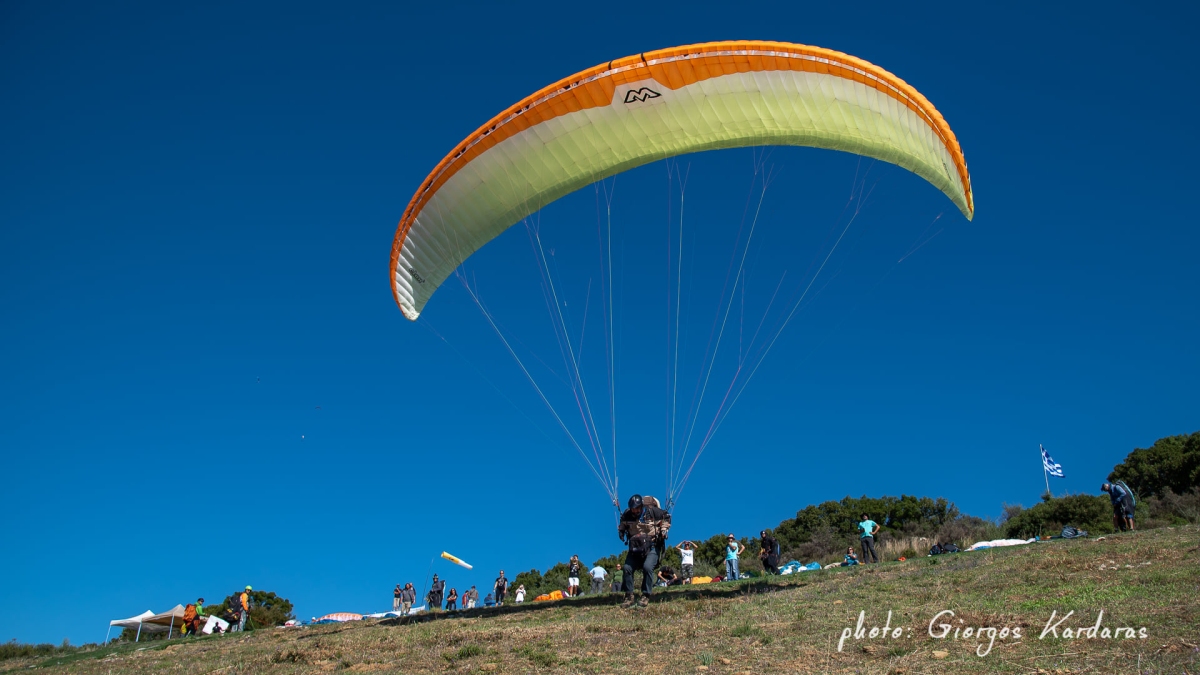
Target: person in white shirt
<point x="687" y="551"/>
<point x="521" y="593"/>
<point x="598" y="575"/>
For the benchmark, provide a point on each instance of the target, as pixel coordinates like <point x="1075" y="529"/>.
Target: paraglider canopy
<point x="632" y="111"/>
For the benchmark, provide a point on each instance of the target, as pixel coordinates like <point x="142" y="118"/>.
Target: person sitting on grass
<point x="851" y="557"/>
<point x="452" y="600"/>
<point x="667" y="577"/>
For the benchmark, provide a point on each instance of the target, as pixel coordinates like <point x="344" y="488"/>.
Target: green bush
<point x="15" y="650"/>
<point x="1086" y="512"/>
<point x="266" y="609"/>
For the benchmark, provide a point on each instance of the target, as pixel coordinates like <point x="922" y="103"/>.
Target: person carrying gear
<point x="193" y="617"/>
<point x="1122" y="503"/>
<point x="769" y="553"/>
<point x="244" y="599"/>
<point x="434" y="599"/>
<point x="644" y="527"/>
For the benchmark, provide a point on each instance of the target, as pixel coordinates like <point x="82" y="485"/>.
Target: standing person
<point x="574" y="571"/>
<point x="201" y="619"/>
<point x="520" y="594"/>
<point x="644" y="527"/>
<point x="769" y="553"/>
<point x="233" y="606"/>
<point x="436" y="590"/>
<point x="867" y="531"/>
<point x="687" y="554"/>
<point x="245" y="600"/>
<point x="452" y="600"/>
<point x="501" y="588"/>
<point x="733" y="548"/>
<point x="408" y="598"/>
<point x="396" y="594"/>
<point x="598" y="575"/>
<point x="472" y="598"/>
<point x="193" y="617"/>
<point x="1122" y="503"/>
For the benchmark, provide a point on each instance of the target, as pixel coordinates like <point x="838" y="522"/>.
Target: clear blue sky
<point x="198" y="207"/>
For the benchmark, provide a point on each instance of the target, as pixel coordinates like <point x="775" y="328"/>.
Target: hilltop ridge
<point x="1146" y="582"/>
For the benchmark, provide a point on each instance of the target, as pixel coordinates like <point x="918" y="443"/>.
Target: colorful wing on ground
<point x="643" y="108"/>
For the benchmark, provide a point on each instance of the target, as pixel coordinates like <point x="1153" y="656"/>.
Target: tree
<point x="531" y="580"/>
<point x="266" y="608"/>
<point x="1173" y="462"/>
<point x="1086" y="512"/>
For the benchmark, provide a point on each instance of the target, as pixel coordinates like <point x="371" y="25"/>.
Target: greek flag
<point x="1052" y="468"/>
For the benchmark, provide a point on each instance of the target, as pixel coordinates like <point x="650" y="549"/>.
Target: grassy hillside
<point x="1149" y="580"/>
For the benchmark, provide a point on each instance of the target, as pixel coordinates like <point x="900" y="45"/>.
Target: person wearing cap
<point x="644" y="527"/>
<point x="733" y="548"/>
<point x="396" y="594"/>
<point x="245" y="602"/>
<point x="1122" y="503"/>
<point x="197" y="618"/>
<point x="434" y="599"/>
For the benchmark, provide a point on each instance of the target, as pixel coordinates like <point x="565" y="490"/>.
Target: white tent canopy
<point x="138" y="623"/>
<point x="170" y="620"/>
<point x="133" y="621"/>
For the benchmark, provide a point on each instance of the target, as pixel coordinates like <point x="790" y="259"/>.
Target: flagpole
<point x="1045" y="471"/>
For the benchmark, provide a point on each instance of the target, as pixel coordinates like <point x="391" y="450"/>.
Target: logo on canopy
<point x="639" y="95"/>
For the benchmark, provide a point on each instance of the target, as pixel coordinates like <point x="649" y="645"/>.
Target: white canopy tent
<point x="170" y="620"/>
<point x="137" y="622"/>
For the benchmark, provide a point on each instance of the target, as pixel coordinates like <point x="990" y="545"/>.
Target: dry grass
<point x="792" y="625"/>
